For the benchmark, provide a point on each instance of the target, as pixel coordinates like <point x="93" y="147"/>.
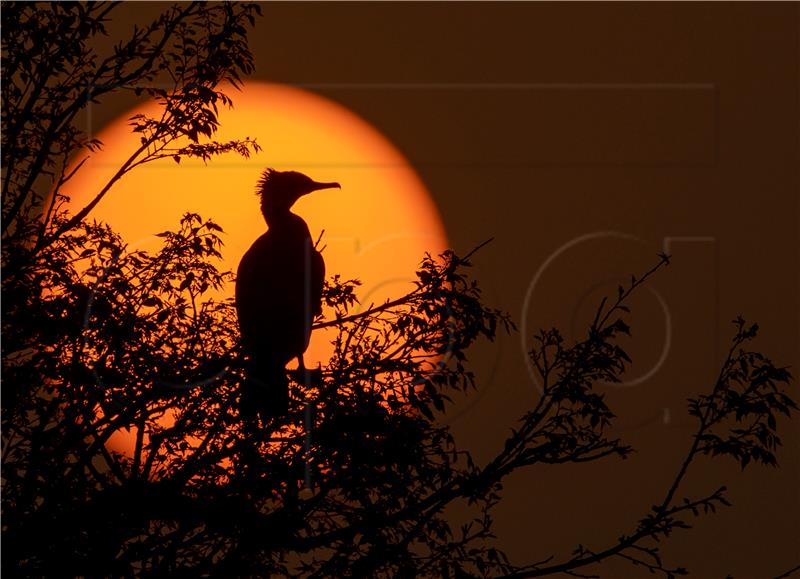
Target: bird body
<point x="278" y="294"/>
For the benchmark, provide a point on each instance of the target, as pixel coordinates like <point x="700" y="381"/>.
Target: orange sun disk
<point x="376" y="229"/>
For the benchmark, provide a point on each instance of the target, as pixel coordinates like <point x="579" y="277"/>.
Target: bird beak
<point x="316" y="186"/>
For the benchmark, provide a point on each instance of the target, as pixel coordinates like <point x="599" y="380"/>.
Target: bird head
<point x="280" y="189"/>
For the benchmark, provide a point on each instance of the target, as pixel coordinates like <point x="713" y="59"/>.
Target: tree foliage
<point x="356" y="480"/>
<point x="52" y="72"/>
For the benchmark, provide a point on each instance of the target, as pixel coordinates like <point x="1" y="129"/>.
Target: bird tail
<point x="265" y="391"/>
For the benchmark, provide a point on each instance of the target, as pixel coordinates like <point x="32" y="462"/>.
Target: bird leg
<point x="306" y="377"/>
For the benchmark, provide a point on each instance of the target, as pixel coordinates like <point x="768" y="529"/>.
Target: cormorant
<point x="278" y="293"/>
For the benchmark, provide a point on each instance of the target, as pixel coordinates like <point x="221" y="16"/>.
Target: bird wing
<point x="252" y="291"/>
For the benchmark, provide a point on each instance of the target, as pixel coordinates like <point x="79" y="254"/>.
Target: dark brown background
<point x="585" y="138"/>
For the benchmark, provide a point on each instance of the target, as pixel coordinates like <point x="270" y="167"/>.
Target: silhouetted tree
<point x="98" y="338"/>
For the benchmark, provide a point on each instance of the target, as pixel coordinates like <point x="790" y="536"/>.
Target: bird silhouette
<point x="278" y="294"/>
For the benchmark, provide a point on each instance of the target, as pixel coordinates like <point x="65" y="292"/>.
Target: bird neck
<point x="275" y="215"/>
<point x="281" y="218"/>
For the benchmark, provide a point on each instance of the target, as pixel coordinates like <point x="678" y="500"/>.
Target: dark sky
<point x="586" y="138"/>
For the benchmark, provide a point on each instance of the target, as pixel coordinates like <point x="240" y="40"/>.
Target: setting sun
<point x="376" y="228"/>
